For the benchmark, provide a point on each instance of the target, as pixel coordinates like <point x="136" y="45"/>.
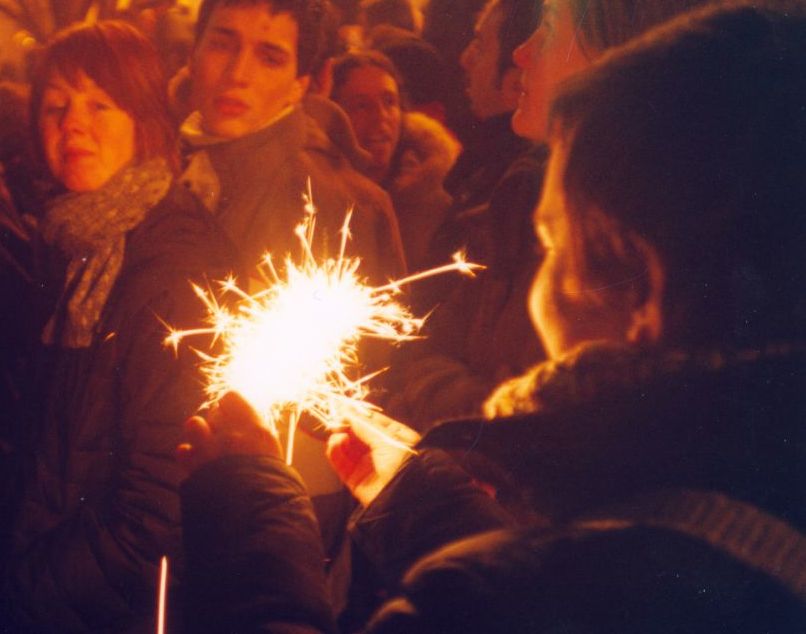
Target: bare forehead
<point x="370" y="79"/>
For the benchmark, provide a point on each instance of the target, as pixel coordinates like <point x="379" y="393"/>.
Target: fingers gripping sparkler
<point x="293" y="346"/>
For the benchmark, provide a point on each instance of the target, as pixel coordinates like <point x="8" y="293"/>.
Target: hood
<point x="610" y="422"/>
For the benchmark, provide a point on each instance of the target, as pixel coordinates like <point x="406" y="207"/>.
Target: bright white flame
<point x="292" y="347"/>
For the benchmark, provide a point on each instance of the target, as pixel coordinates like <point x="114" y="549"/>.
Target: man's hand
<point x="368" y="453"/>
<point x="230" y="428"/>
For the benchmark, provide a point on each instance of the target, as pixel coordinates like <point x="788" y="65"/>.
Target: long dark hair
<point x="693" y="139"/>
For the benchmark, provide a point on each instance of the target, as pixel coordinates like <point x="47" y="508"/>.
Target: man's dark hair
<point x="398" y="13"/>
<point x="347" y="63"/>
<point x="518" y="19"/>
<point x="693" y="139"/>
<point x="310" y="16"/>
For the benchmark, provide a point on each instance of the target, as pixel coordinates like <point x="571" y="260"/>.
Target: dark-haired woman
<point x="99" y="505"/>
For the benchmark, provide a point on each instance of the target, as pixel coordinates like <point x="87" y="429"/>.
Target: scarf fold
<point x="90" y="228"/>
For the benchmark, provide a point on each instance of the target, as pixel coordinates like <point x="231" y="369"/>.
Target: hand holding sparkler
<point x="231" y="427"/>
<point x="367" y="454"/>
<point x="292" y="348"/>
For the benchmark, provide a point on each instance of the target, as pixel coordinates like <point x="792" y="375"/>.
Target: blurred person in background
<point x="494" y="187"/>
<point x="448" y="27"/>
<point x="411" y="153"/>
<point x="419" y="63"/>
<point x="401" y="14"/>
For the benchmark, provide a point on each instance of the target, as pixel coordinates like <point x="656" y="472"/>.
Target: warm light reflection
<point x="292" y="347"/>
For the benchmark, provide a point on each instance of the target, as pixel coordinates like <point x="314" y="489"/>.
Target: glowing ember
<point x="292" y="347"/>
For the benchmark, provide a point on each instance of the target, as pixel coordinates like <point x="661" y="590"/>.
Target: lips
<point x="230" y="106"/>
<point x="75" y="153"/>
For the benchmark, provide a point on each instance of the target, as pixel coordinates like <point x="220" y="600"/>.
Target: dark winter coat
<point x="443" y="376"/>
<point x="263" y="176"/>
<point x="641" y="492"/>
<point x="101" y="502"/>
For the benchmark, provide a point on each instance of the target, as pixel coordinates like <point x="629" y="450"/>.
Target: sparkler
<point x="162" y="595"/>
<point x="293" y="347"/>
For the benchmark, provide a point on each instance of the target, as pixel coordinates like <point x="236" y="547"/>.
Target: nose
<point x="74" y="118"/>
<point x="379" y="113"/>
<point x="239" y="68"/>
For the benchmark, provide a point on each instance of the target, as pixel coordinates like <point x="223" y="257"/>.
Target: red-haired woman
<point x="99" y="503"/>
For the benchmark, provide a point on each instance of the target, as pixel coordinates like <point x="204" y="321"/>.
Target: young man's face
<point x="480" y="63"/>
<point x="244" y="69"/>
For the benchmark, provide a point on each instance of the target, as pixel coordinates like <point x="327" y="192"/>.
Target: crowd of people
<point x="602" y="431"/>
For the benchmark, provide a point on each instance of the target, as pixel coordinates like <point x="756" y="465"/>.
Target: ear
<point x="646" y="318"/>
<point x="511" y="87"/>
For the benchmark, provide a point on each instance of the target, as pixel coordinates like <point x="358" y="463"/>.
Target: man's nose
<point x="239" y="69"/>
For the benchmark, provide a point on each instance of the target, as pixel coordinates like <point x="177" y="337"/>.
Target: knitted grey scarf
<point x="90" y="228"/>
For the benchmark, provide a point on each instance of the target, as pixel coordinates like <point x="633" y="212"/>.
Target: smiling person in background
<point x="99" y="500"/>
<point x="411" y="153"/>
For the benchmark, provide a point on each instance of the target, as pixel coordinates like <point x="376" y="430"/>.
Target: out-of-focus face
<point x="244" y="69"/>
<point x="549" y="56"/>
<point x="480" y="63"/>
<point x="87" y="137"/>
<point x="371" y="99"/>
<point x="564" y="310"/>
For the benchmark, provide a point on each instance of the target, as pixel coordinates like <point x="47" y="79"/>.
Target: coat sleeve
<point x="96" y="565"/>
<point x="431" y="502"/>
<point x="254" y="555"/>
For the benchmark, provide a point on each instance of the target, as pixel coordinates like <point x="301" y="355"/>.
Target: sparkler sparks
<point x="293" y="347"/>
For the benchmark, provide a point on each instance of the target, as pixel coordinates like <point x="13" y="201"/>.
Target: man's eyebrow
<point x="271" y="47"/>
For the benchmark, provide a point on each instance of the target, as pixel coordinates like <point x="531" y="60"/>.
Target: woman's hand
<point x="368" y="453"/>
<point x="231" y="428"/>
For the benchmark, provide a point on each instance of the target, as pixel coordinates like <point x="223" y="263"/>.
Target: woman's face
<point x="551" y="54"/>
<point x="371" y="98"/>
<point x="564" y="310"/>
<point x="87" y="137"/>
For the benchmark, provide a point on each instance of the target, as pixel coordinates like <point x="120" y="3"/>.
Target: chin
<point x="83" y="182"/>
<point x="527" y="126"/>
<point x="225" y="128"/>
